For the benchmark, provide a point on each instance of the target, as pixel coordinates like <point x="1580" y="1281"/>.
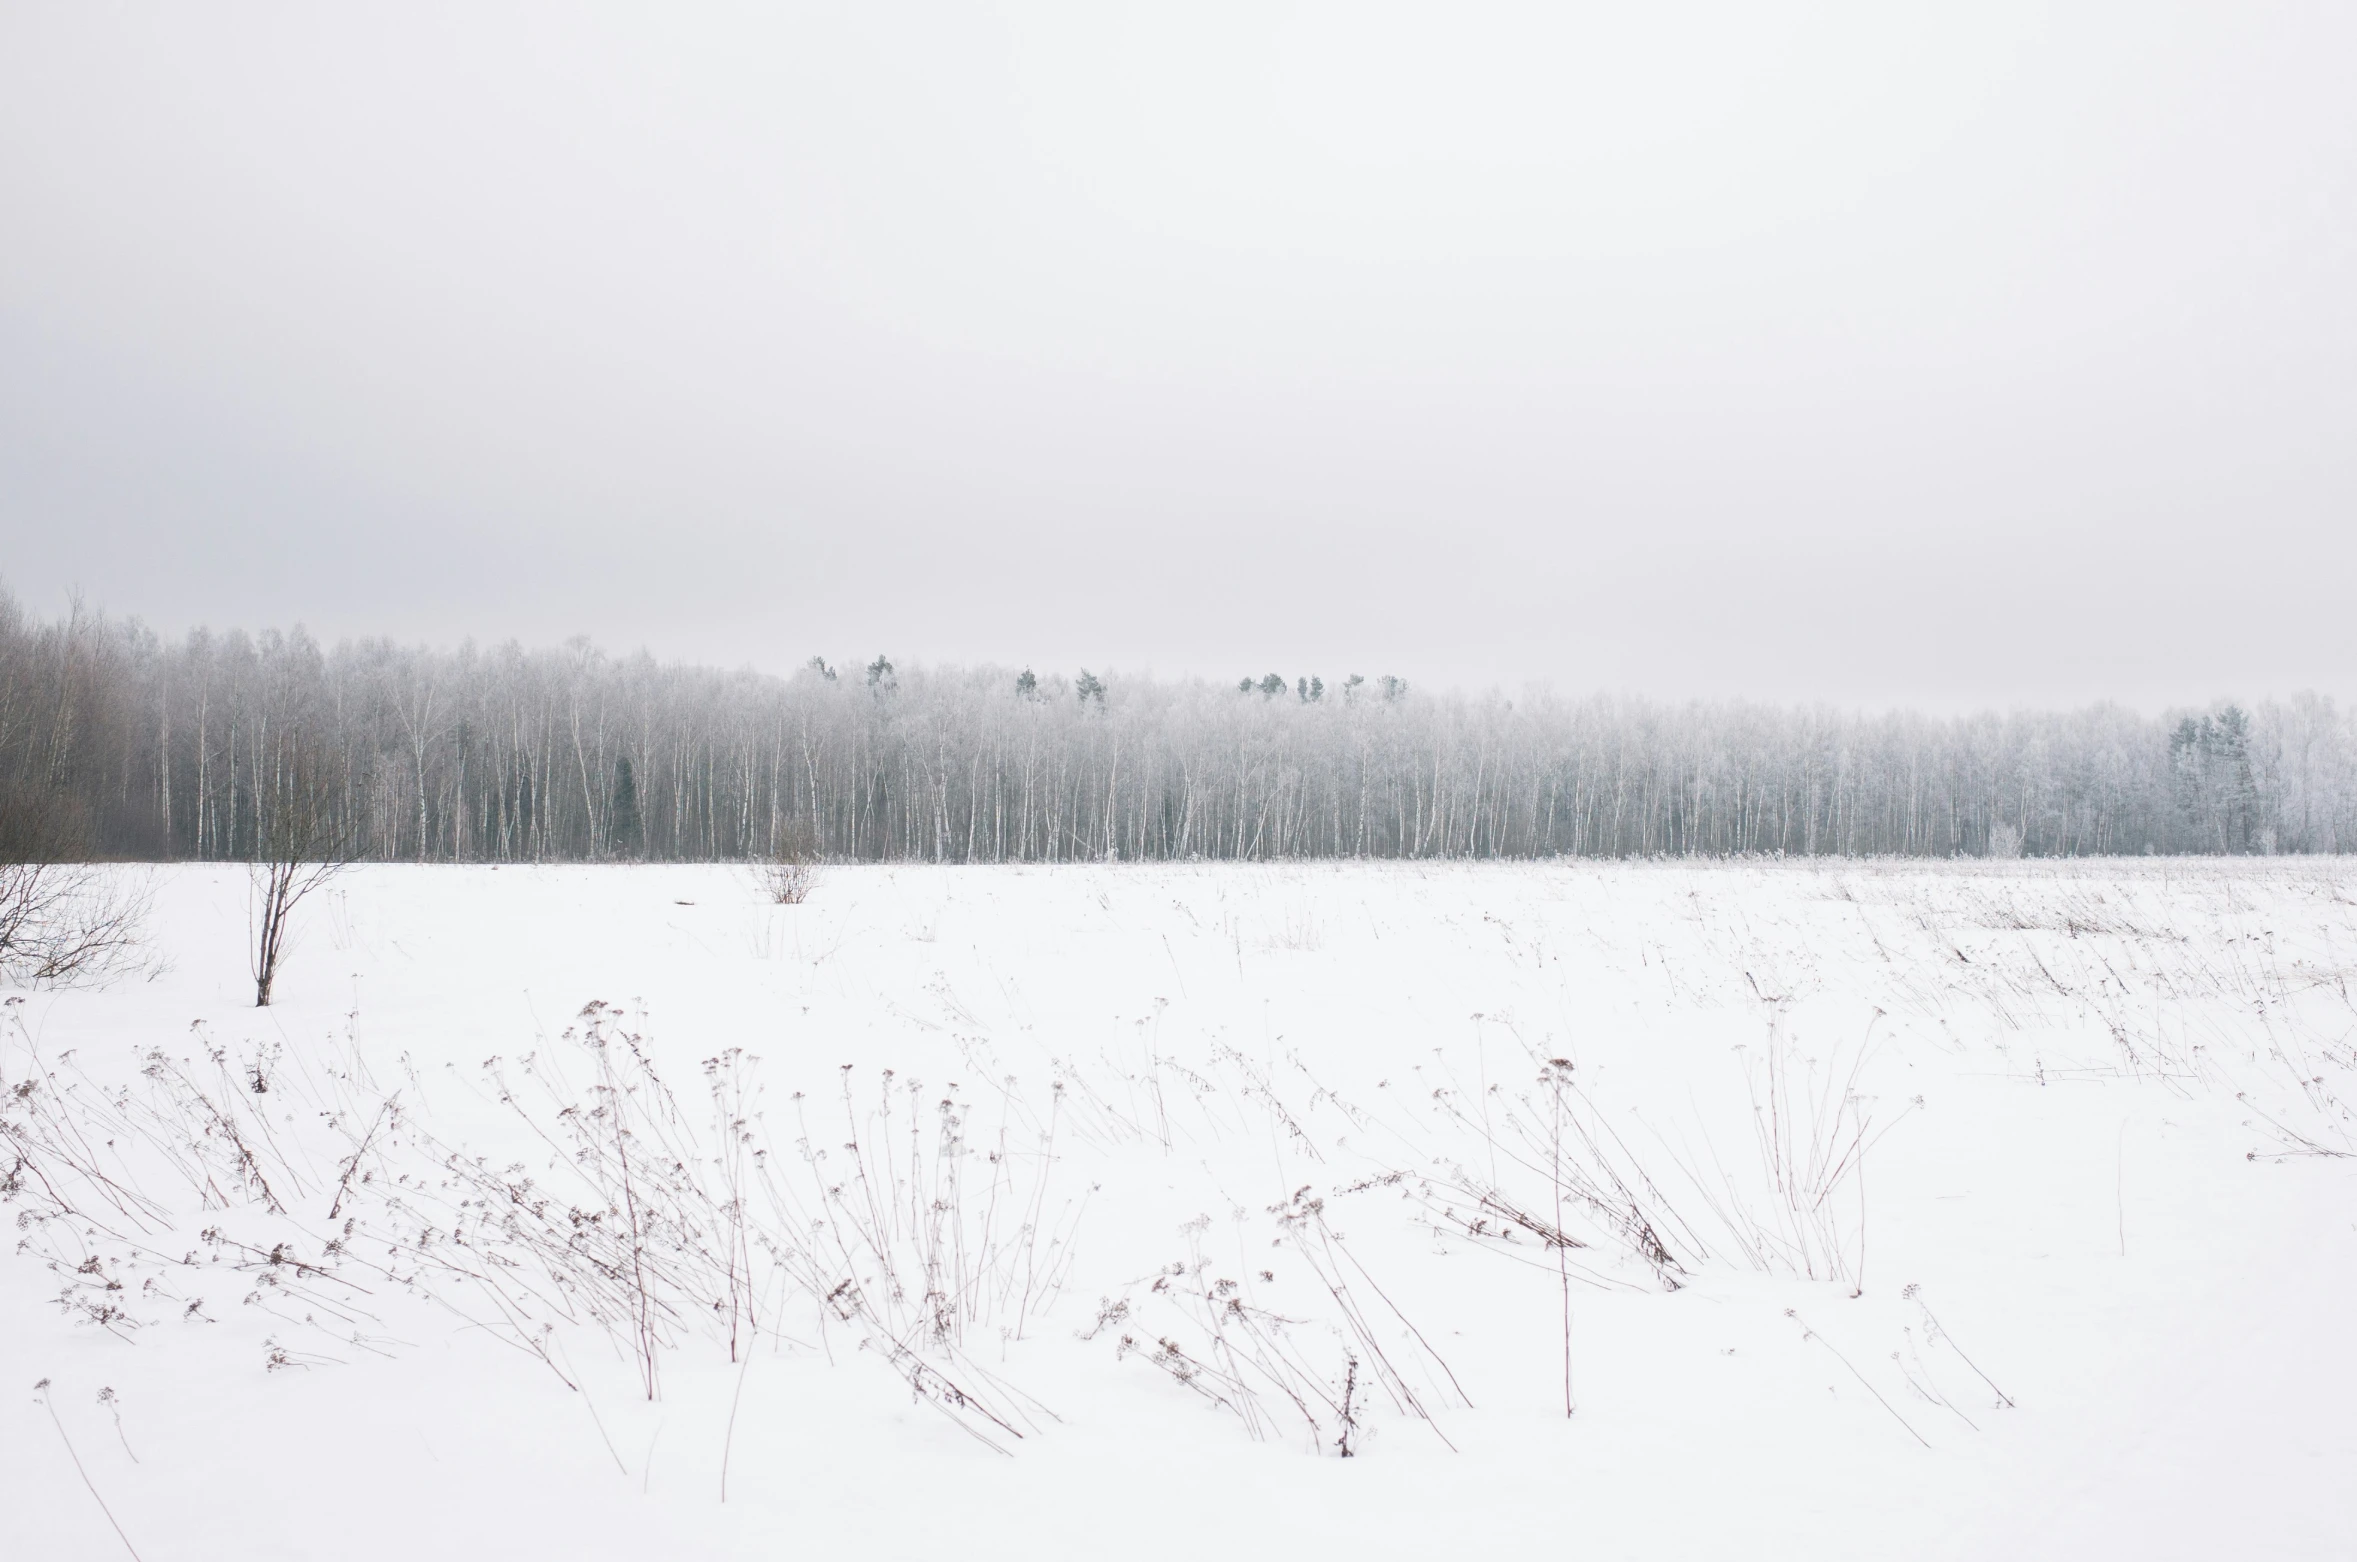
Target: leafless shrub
<point x="788" y="883"/>
<point x="790" y="872"/>
<point x="68" y="922"/>
<point x="62" y="918"/>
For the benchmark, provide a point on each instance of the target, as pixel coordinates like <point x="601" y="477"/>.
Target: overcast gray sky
<point x="1936" y="354"/>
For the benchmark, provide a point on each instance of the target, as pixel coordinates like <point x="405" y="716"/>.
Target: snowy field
<point x="1886" y="1209"/>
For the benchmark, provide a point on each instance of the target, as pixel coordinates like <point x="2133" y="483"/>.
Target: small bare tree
<point x="790" y="872"/>
<point x="300" y="843"/>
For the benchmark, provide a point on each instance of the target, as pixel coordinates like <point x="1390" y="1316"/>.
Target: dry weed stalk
<point x="1551" y="1168"/>
<point x="635" y="1224"/>
<point x="41" y="1393"/>
<point x="1271" y="1369"/>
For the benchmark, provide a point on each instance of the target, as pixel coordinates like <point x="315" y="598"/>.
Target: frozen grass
<point x="1589" y="1183"/>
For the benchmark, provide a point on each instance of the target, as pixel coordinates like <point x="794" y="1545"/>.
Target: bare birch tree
<point x="521" y="755"/>
<point x="300" y="843"/>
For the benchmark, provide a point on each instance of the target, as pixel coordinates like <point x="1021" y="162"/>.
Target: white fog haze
<point x="1940" y="357"/>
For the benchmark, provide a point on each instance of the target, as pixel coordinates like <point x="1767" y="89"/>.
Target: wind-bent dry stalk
<point x="1556" y="1077"/>
<point x="41" y="1392"/>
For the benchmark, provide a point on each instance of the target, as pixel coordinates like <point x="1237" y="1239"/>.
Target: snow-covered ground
<point x="1955" y="1210"/>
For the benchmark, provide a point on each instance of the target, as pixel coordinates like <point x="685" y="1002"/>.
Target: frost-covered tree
<point x="166" y="750"/>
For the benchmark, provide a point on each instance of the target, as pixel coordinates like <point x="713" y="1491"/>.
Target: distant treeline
<point x="114" y="743"/>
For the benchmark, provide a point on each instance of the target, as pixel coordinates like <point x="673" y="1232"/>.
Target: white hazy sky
<point x="1938" y="354"/>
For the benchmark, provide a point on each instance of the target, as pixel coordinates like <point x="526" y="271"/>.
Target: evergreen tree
<point x="627" y="837"/>
<point x="2212" y="780"/>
